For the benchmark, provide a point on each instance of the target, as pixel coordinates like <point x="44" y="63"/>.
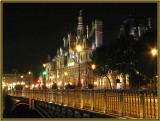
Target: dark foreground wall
<point x="59" y="111"/>
<point x="42" y="109"/>
<point x="21" y="111"/>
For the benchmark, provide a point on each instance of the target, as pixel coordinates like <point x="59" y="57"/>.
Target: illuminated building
<point x="12" y="80"/>
<point x="134" y="27"/>
<point x="67" y="58"/>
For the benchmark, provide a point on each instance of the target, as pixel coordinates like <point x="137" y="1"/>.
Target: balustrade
<point x="122" y="103"/>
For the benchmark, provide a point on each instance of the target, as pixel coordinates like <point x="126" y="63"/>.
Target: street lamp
<point x="93" y="66"/>
<point x="79" y="49"/>
<point x="65" y="74"/>
<point x="29" y="72"/>
<point x="44" y="65"/>
<point x="21" y="80"/>
<point x="154" y="53"/>
<point x="29" y="79"/>
<point x="44" y="73"/>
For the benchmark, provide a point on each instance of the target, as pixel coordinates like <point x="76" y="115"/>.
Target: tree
<point x="143" y="48"/>
<point x="100" y="58"/>
<point x="117" y="56"/>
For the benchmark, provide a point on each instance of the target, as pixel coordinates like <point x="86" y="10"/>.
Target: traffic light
<point x="38" y="82"/>
<point x="44" y="73"/>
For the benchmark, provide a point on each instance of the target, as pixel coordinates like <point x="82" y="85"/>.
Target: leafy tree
<point x="127" y="56"/>
<point x="143" y="53"/>
<point x="117" y="56"/>
<point x="100" y="58"/>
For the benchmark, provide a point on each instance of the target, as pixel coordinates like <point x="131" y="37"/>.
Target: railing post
<point x="30" y="104"/>
<point x="48" y="95"/>
<point x="92" y="98"/>
<point x="67" y="97"/>
<point x="56" y="95"/>
<point x="52" y="94"/>
<point x="154" y="104"/>
<point x="105" y="102"/>
<point x="82" y="99"/>
<point x="32" y="93"/>
<point x="29" y="93"/>
<point x="61" y="97"/>
<point x="141" y="105"/>
<point x="74" y="99"/>
<point x="121" y="103"/>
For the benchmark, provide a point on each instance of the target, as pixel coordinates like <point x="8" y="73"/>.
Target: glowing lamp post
<point x="154" y="53"/>
<point x="65" y="74"/>
<point x="44" y="73"/>
<point x="79" y="49"/>
<point x="29" y="79"/>
<point x="44" y="65"/>
<point x="93" y="68"/>
<point x="29" y="72"/>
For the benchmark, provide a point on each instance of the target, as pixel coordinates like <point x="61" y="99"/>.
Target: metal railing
<point x="121" y="103"/>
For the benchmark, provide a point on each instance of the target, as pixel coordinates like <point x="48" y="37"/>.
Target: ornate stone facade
<point x="70" y="61"/>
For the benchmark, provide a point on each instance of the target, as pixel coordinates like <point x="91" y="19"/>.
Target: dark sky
<point x="32" y="31"/>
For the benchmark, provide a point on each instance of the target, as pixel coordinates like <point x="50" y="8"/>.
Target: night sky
<point x="32" y="31"/>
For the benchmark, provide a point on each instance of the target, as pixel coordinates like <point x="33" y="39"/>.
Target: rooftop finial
<point x="80" y="13"/>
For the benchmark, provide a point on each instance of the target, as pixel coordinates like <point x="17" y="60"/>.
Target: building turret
<point x="98" y="33"/>
<point x="149" y="23"/>
<point x="49" y="58"/>
<point x="80" y="28"/>
<point x="87" y="31"/>
<point x="122" y="31"/>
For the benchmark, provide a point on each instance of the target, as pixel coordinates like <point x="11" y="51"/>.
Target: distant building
<point x="67" y="58"/>
<point x="134" y="27"/>
<point x="12" y="80"/>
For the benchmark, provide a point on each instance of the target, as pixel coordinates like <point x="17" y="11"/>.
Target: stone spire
<point x="80" y="28"/>
<point x="80" y="18"/>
